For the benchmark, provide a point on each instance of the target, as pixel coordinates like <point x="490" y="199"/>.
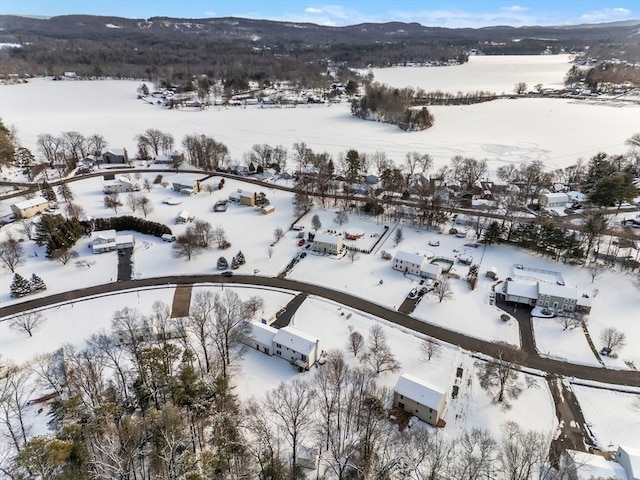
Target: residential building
<point x="296" y="347"/>
<point x="557" y="297"/>
<point x="115" y="155"/>
<point x="261" y="337"/>
<point x="120" y="185"/>
<point x="168" y="158"/>
<point x="184" y="183"/>
<point x="629" y="459"/>
<point x="553" y="296"/>
<point x="550" y="200"/>
<point x="327" y="243"/>
<point x="431" y="271"/>
<point x="29" y="208"/>
<point x="108" y="241"/>
<point x="245" y="197"/>
<point x="420" y="398"/>
<point x="406" y="262"/>
<point x="183" y="217"/>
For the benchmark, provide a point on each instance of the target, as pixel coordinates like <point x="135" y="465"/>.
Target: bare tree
<point x="429" y="349"/>
<point x="341" y="217"/>
<point x="355" y="343"/>
<point x="11" y="253"/>
<point x="595" y="269"/>
<point x="218" y="235"/>
<point x="16" y="387"/>
<point x="200" y="323"/>
<point x="205" y="234"/>
<point x="522" y="452"/>
<point x="145" y="205"/>
<point x="475" y="455"/>
<point x="290" y="404"/>
<point x="520" y="88"/>
<point x="232" y="327"/>
<point x="154" y="141"/>
<point x="443" y="289"/>
<point x="270" y="251"/>
<point x="352" y="254"/>
<point x="146" y="184"/>
<point x="500" y="375"/>
<point x="26" y="226"/>
<point x="95" y="144"/>
<point x="27" y="322"/>
<point x="379" y="356"/>
<point x="613" y="339"/>
<point x="430" y="455"/>
<point x="186" y="245"/>
<point x="111" y="200"/>
<point x="106" y="346"/>
<point x="132" y="201"/>
<point x="74" y="210"/>
<point x="64" y="255"/>
<point x="278" y="233"/>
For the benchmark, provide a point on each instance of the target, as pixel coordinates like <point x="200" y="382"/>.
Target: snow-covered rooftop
<point x="295" y="340"/>
<point x="326" y="238"/>
<point x="419" y="390"/>
<point x="521" y="289"/>
<point x="262" y="333"/>
<point x="555" y="290"/>
<point x="413" y="258"/>
<point x="109" y="235"/>
<point x="32" y="202"/>
<point x="589" y="466"/>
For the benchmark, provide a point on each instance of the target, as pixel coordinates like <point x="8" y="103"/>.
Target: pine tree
<point x="240" y="257"/>
<point x="48" y="193"/>
<point x="235" y="263"/>
<point x="37" y="284"/>
<point x="222" y="263"/>
<point x="20" y="286"/>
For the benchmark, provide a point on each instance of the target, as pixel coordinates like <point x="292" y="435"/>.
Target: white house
<point x="587" y="466"/>
<point x="297" y="347"/>
<point x="545" y="294"/>
<point x="103" y="241"/>
<point x="629" y="459"/>
<point x="431" y="271"/>
<point x="108" y="241"/>
<point x="245" y="197"/>
<point x="550" y="200"/>
<point x="406" y="262"/>
<point x="29" y="208"/>
<point x="327" y="243"/>
<point x="420" y="398"/>
<point x="120" y="185"/>
<point x="261" y="337"/>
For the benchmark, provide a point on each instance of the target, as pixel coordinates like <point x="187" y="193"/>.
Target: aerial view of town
<point x="283" y="240"/>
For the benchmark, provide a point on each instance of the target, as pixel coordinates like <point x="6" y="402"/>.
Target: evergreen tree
<point x="37" y="284"/>
<point x="65" y="192"/>
<point x="240" y="257"/>
<point x="235" y="264"/>
<point x="222" y="263"/>
<point x="492" y="234"/>
<point x="20" y="286"/>
<point x="48" y="193"/>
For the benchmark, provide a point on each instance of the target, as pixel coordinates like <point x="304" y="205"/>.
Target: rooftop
<point x="295" y="340"/>
<point x="420" y="391"/>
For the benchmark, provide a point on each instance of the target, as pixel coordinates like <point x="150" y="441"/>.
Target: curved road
<point x="520" y="357"/>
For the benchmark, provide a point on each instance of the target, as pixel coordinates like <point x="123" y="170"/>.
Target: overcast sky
<point x="443" y="13"/>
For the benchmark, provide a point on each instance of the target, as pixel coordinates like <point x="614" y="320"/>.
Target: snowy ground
<point x="503" y="132"/>
<point x="496" y="74"/>
<point x="613" y="417"/>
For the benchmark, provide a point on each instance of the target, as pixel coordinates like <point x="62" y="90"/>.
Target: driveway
<point x="125" y="264"/>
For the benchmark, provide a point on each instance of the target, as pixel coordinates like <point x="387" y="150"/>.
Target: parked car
<point x="301" y="242"/>
<point x="227" y="274"/>
<point x="413" y="293"/>
<point x="434" y="243"/>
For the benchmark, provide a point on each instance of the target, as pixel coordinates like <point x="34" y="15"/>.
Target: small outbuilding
<point x="183" y="217"/>
<point x="267" y="209"/>
<point x="549" y="200"/>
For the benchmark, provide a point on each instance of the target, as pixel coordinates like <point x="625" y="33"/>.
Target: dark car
<point x="227" y="274"/>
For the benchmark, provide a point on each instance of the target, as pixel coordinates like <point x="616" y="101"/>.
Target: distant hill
<point x="266" y="50"/>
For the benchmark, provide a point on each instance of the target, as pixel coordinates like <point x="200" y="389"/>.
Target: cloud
<point x="313" y="10"/>
<point x="514" y="8"/>
<point x="606" y="15"/>
<point x="464" y="19"/>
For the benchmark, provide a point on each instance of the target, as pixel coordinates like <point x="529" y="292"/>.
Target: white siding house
<point x="406" y="262"/>
<point x="261" y="337"/>
<point x="420" y="398"/>
<point x="327" y="243"/>
<point x="553" y="200"/>
<point x="103" y="241"/>
<point x="629" y="458"/>
<point x="29" y="208"/>
<point x="296" y="347"/>
<point x="120" y="185"/>
<point x="431" y="271"/>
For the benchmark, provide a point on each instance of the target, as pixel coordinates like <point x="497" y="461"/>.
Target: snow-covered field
<point x="613" y="417"/>
<point x="496" y="74"/>
<point x="558" y="132"/>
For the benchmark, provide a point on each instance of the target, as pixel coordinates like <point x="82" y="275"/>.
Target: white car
<point x="434" y="243"/>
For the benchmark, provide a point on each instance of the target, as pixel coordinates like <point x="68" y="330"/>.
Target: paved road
<point x="520" y="357"/>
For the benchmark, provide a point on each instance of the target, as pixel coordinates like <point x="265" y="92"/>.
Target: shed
<point x="266" y="210"/>
<point x="183" y="217"/>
